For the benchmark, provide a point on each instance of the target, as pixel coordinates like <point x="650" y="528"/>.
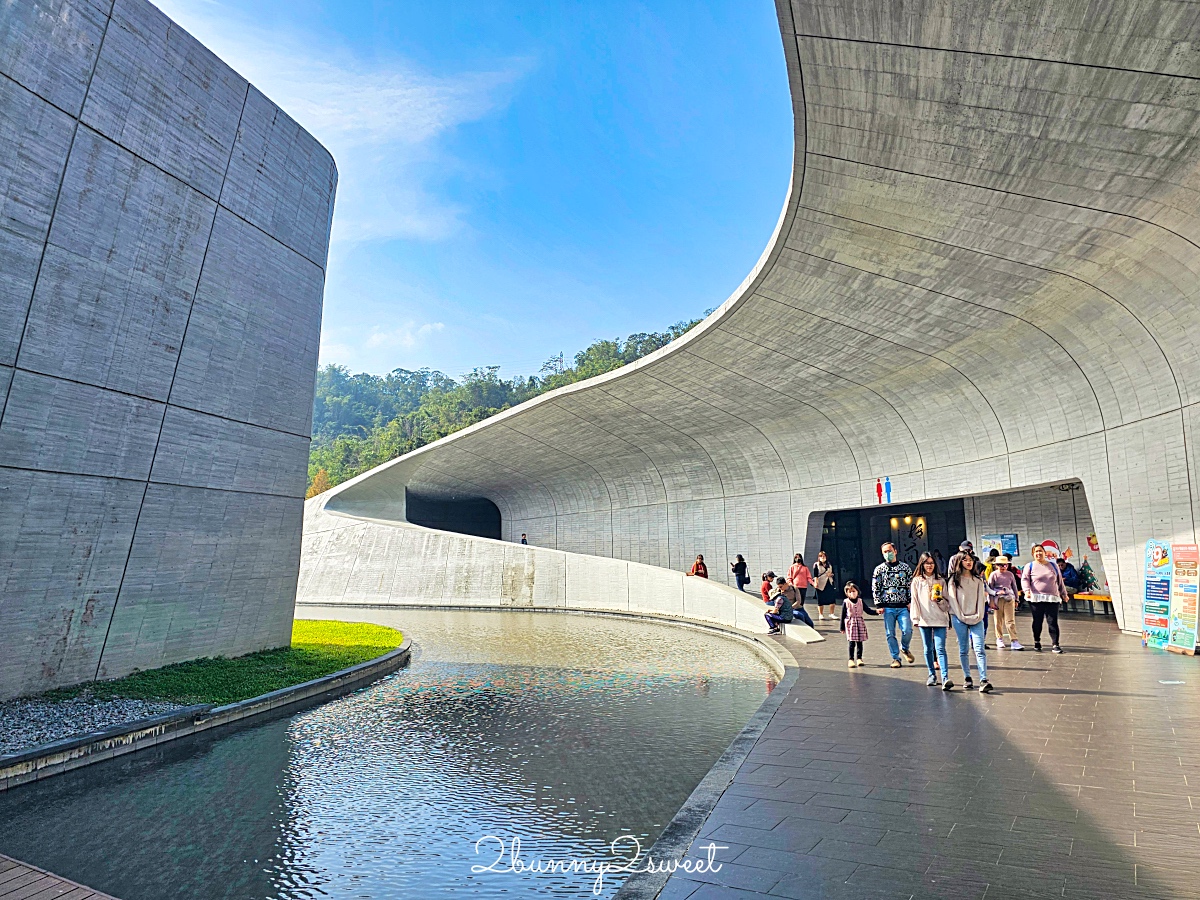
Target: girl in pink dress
<point x="854" y="623"/>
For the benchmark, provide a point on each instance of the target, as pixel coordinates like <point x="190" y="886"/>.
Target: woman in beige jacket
<point x="931" y="614"/>
<point x="967" y="593"/>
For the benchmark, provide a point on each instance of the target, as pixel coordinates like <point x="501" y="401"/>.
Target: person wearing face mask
<point x="891" y="583"/>
<point x="823" y="580"/>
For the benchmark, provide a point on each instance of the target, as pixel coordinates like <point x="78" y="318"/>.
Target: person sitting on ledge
<point x="783" y="611"/>
<point x="768" y="578"/>
<point x="796" y="598"/>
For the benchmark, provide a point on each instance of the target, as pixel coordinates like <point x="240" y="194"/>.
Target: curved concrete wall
<point x="361" y="562"/>
<point x="163" y="238"/>
<point x="984" y="279"/>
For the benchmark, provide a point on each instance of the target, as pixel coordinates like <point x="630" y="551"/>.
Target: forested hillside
<point x="360" y="421"/>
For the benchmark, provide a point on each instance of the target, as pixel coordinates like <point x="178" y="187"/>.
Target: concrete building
<point x="983" y="285"/>
<point x="163" y="239"/>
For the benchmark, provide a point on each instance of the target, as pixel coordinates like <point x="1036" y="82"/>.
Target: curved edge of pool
<point x="47" y="760"/>
<point x="673" y="844"/>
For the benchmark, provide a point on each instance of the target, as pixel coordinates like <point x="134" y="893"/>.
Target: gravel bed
<point x="27" y="723"/>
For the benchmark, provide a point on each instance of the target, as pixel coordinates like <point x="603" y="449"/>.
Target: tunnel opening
<point x="476" y="516"/>
<point x="851" y="538"/>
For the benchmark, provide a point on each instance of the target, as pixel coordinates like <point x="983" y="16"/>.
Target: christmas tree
<point x="1087" y="578"/>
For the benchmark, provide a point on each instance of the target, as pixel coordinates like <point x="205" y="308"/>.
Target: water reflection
<point x="565" y="731"/>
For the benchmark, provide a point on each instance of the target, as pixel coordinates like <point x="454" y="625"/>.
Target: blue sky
<point x="521" y="178"/>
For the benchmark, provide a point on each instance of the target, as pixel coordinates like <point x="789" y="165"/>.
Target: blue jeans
<point x="975" y="633"/>
<point x="934" y="639"/>
<point x="897" y="616"/>
<point x="802" y="616"/>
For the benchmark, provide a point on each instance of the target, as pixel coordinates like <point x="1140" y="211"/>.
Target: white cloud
<point x="381" y="119"/>
<point x="405" y="337"/>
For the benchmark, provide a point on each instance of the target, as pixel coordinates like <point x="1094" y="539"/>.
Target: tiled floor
<point x="1078" y="777"/>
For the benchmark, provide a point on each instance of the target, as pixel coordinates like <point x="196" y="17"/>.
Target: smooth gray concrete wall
<point x="163" y="239"/>
<point x="984" y="279"/>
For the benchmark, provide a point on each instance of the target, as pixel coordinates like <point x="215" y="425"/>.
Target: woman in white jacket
<point x="931" y="614"/>
<point x="967" y="592"/>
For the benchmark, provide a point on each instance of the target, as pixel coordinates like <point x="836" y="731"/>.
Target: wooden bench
<point x="1106" y="602"/>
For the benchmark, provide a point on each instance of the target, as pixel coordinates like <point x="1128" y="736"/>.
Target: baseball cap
<point x="965" y="546"/>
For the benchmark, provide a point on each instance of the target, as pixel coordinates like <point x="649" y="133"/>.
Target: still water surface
<point x="564" y="731"/>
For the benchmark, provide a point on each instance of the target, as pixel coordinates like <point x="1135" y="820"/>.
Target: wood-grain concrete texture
<point x="984" y="279"/>
<point x="362" y="563"/>
<point x="163" y="239"/>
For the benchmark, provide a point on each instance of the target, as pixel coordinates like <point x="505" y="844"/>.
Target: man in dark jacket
<point x="890" y="585"/>
<point x="1070" y="577"/>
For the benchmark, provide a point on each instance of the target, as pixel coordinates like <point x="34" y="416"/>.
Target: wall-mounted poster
<point x="1005" y="543"/>
<point x="1185" y="590"/>
<point x="1156" y="601"/>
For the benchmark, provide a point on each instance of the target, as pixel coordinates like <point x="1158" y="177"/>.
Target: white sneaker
<point x="999" y="645"/>
<point x="1016" y="645"/>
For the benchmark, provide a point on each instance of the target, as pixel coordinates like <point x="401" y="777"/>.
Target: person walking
<point x="1044" y="592"/>
<point x="890" y="585"/>
<point x="1003" y="589"/>
<point x="699" y="569"/>
<point x="739" y="572"/>
<point x="967" y="592"/>
<point x="853" y="625"/>
<point x="824" y="580"/>
<point x="768" y="581"/>
<point x="799" y="576"/>
<point x="931" y="613"/>
<point x="782" y="612"/>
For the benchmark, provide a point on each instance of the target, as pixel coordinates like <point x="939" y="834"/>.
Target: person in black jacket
<point x="739" y="572"/>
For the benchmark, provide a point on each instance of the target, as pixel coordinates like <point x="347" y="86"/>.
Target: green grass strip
<point x="318" y="648"/>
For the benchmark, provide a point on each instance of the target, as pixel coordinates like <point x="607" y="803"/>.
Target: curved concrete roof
<point x="984" y="278"/>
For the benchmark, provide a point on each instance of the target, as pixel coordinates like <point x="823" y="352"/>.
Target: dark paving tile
<point x="1073" y="779"/>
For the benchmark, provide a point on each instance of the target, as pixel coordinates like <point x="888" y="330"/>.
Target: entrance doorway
<point x="851" y="537"/>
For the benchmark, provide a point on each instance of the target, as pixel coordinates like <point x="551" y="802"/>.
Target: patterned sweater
<point x="890" y="585"/>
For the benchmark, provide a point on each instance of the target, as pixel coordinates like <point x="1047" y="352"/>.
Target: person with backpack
<point x="1044" y="592"/>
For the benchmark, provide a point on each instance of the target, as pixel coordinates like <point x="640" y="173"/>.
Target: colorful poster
<point x="1010" y="546"/>
<point x="1156" y="601"/>
<point x="1185" y="590"/>
<point x="988" y="543"/>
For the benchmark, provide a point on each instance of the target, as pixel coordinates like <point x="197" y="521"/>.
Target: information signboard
<point x="1005" y="543"/>
<point x="1156" y="600"/>
<point x="1185" y="590"/>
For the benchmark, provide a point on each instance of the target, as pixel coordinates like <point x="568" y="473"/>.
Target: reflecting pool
<point x="564" y="731"/>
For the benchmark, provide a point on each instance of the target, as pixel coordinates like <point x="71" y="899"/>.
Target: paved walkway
<point x="21" y="882"/>
<point x="1079" y="777"/>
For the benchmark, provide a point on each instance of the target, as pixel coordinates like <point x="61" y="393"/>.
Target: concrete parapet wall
<point x="163" y="238"/>
<point x="356" y="562"/>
